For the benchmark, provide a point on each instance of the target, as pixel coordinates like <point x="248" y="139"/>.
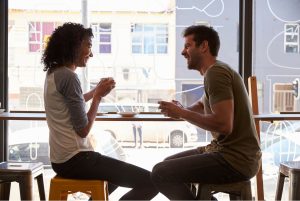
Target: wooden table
<point x="41" y="116"/>
<point x="277" y="117"/>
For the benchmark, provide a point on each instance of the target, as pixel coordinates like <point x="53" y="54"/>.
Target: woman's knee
<point x="158" y="173"/>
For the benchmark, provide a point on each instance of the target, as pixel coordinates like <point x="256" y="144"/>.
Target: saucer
<point x="127" y="114"/>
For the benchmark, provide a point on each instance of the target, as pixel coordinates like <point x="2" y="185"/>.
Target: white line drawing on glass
<point x="204" y="8"/>
<point x="277" y="17"/>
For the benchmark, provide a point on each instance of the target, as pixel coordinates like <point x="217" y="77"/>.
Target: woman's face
<point x="85" y="52"/>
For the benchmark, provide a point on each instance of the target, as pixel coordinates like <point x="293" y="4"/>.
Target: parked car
<point x="32" y="145"/>
<point x="175" y="134"/>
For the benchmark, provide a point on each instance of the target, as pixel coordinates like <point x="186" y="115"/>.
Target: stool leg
<point x="98" y="194"/>
<point x="294" y="193"/>
<point x="25" y="184"/>
<point x="54" y="192"/>
<point x="234" y="197"/>
<point x="204" y="193"/>
<point x="246" y="193"/>
<point x="4" y="191"/>
<point x="106" y="190"/>
<point x="279" y="188"/>
<point x="64" y="195"/>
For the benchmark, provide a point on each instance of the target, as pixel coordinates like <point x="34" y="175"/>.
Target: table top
<point x="41" y="116"/>
<point x="278" y="117"/>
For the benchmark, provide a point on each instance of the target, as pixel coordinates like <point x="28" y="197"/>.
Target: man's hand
<point x="104" y="87"/>
<point x="171" y="109"/>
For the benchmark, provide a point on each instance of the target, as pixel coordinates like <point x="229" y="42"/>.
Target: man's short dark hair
<point x="202" y="33"/>
<point x="63" y="45"/>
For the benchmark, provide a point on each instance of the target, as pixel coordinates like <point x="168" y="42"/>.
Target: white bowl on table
<point x="127" y="114"/>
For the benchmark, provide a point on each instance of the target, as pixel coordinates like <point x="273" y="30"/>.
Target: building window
<point x="149" y="38"/>
<point x="102" y="37"/>
<point x="291" y="38"/>
<point x="39" y="32"/>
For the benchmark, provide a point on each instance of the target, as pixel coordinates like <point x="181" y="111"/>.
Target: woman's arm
<point x="89" y="95"/>
<point x="101" y="90"/>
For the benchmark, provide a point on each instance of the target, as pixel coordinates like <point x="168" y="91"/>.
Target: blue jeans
<point x="173" y="176"/>
<point x="139" y="130"/>
<point x="93" y="165"/>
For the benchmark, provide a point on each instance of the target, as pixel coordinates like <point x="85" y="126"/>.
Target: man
<point x="234" y="153"/>
<point x="71" y="152"/>
<point x="137" y="128"/>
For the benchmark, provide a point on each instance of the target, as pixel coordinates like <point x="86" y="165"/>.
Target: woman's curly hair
<point x="63" y="45"/>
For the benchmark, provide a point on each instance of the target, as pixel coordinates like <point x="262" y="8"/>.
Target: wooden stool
<point x="61" y="187"/>
<point x="289" y="169"/>
<point x="238" y="190"/>
<point x="23" y="173"/>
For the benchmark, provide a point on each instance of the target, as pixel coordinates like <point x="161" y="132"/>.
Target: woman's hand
<point x="104" y="87"/>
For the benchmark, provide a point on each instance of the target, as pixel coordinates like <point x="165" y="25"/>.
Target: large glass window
<point x="139" y="44"/>
<point x="276" y="64"/>
<point x="149" y="38"/>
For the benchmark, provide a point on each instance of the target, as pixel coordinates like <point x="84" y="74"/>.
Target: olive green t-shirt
<point x="240" y="148"/>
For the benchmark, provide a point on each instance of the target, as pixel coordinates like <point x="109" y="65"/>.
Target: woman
<point x="71" y="153"/>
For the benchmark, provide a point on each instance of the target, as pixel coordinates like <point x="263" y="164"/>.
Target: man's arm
<point x="197" y="107"/>
<point x="221" y="119"/>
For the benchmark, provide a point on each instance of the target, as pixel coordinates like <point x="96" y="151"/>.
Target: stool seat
<point x="24" y="174"/>
<point x="61" y="187"/>
<point x="238" y="190"/>
<point x="289" y="169"/>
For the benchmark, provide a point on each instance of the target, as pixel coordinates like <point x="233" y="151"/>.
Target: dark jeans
<point x="173" y="176"/>
<point x="93" y="165"/>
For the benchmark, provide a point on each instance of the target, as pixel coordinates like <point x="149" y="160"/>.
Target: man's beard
<point x="192" y="66"/>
